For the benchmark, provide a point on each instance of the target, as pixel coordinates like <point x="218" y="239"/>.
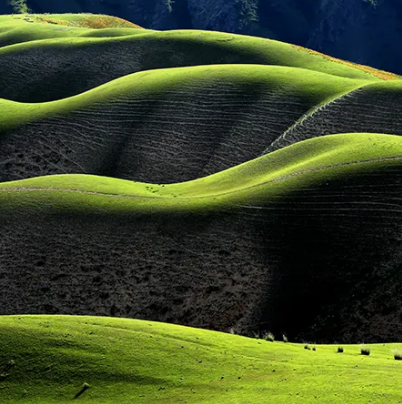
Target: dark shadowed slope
<point x="372" y="108"/>
<point x="233" y="249"/>
<point x="30" y="69"/>
<point x="163" y="125"/>
<point x="246" y="247"/>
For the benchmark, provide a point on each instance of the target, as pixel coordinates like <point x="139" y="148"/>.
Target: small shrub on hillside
<point x="314" y="349"/>
<point x="397" y="354"/>
<point x="340" y="349"/>
<point x="306" y="346"/>
<point x="269" y="337"/>
<point x="364" y="350"/>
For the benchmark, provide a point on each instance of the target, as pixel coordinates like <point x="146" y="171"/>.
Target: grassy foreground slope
<point x="47" y="360"/>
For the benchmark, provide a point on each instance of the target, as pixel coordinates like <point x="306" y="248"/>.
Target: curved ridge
<point x="369" y="108"/>
<point x="278" y="172"/>
<point x="178" y="257"/>
<point x="36" y="65"/>
<point x="164" y="125"/>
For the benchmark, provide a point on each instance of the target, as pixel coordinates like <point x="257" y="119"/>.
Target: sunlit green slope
<point x="54" y="359"/>
<point x="257" y="182"/>
<point x="194" y="47"/>
<point x="312" y="88"/>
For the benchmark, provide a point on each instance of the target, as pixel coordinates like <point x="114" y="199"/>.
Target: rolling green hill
<point x="52" y="358"/>
<point x="201" y="119"/>
<point x="212" y="46"/>
<point x="250" y="221"/>
<point x="33" y="55"/>
<point x="211" y="180"/>
<point x="254" y="183"/>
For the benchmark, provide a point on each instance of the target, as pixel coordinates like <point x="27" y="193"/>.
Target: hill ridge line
<point x="310" y="114"/>
<point x="195" y="68"/>
<point x="275" y="180"/>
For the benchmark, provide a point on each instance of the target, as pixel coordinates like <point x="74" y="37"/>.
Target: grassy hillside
<point x="200" y="116"/>
<point x="224" y="250"/>
<point x="49" y="360"/>
<point x="212" y="47"/>
<point x="255" y="182"/>
<point x="205" y="179"/>
<point x="311" y="88"/>
<point x="376" y="107"/>
<point x="39" y="52"/>
<point x="25" y="28"/>
<point x="97" y="21"/>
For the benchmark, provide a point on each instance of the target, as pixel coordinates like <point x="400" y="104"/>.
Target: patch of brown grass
<point x="53" y="21"/>
<point x="93" y="21"/>
<point x="102" y="21"/>
<point x="370" y="70"/>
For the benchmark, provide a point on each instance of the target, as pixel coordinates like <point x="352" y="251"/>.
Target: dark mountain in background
<point x="363" y="31"/>
<point x="5" y="8"/>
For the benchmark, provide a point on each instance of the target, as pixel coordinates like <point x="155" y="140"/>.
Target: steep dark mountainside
<point x="363" y="31"/>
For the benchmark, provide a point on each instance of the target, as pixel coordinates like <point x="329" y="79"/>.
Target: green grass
<point x="131" y="361"/>
<point x="52" y="359"/>
<point x="14" y="31"/>
<point x="255" y="183"/>
<point x="312" y="88"/>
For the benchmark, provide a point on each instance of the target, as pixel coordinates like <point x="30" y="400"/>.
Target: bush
<point x="365" y="350"/>
<point x="340" y="349"/>
<point x="306" y="347"/>
<point x="397" y="354"/>
<point x="269" y="336"/>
